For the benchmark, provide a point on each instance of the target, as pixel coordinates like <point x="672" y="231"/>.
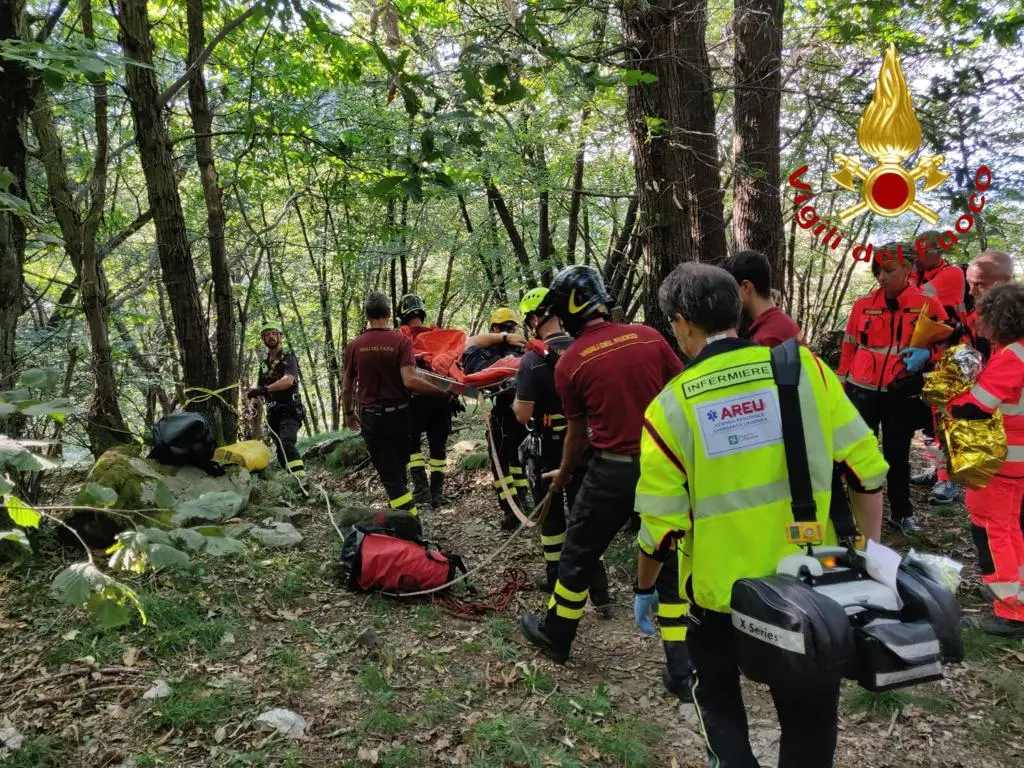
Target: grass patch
<point x="378" y="718"/>
<point x="981" y="647"/>
<point x="473" y="461"/>
<point x="176" y="623"/>
<point x="882" y="705"/>
<point x="290" y="668"/>
<point x="37" y="752"/>
<point x="589" y="718"/>
<point x="427" y="618"/>
<point x="191" y="704"/>
<point x="500" y="633"/>
<point x="404" y="757"/>
<point x="436" y="710"/>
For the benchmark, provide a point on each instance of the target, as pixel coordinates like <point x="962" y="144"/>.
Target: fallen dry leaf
<point x="130" y="657"/>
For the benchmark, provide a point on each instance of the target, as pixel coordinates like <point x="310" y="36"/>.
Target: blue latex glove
<point x="915" y="358"/>
<point x="644" y="607"/>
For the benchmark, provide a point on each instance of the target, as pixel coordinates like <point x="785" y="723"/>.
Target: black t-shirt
<point x="535" y="382"/>
<point x="272" y="370"/>
<point x="475" y="359"/>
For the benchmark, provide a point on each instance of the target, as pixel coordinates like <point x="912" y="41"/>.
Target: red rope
<point x="516" y="581"/>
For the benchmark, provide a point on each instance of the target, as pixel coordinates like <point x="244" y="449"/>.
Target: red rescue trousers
<point x="995" y="526"/>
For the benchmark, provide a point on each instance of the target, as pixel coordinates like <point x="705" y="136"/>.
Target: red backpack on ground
<point x="374" y="559"/>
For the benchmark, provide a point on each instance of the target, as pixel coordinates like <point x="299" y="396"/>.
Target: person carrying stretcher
<point x="539" y="407"/>
<point x="505" y="433"/>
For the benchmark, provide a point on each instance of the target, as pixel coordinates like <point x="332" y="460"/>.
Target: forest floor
<point x="380" y="682"/>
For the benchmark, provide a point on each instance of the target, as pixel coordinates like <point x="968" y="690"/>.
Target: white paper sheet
<point x="883" y="564"/>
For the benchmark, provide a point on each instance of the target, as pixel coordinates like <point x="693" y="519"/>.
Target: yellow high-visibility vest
<point x="713" y="465"/>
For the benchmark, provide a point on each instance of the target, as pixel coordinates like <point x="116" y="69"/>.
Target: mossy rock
<point x="347" y="452"/>
<point x="145" y="484"/>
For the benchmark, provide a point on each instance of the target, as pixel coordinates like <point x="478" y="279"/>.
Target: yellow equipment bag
<point x="251" y="454"/>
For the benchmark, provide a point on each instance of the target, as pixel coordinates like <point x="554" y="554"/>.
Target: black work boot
<point x="533" y="630"/>
<point x="420" y="489"/>
<point x="437" y="497"/>
<point x="676" y="675"/>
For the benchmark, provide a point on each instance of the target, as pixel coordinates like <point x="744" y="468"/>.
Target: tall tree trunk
<point x="403" y="245"/>
<point x="757" y="208"/>
<point x="576" y="196"/>
<point x="176" y="266"/>
<point x="320" y="268"/>
<point x="498" y="205"/>
<point x="15" y="96"/>
<point x="202" y="126"/>
<point x="654" y="32"/>
<point x="105" y="424"/>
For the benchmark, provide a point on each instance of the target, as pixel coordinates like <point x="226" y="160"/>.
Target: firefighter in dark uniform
<point x="538" y="407"/>
<point x="278" y="384"/>
<point x="429" y="414"/>
<point x="505" y="433"/>
<point x="605" y="380"/>
<point x="379" y="372"/>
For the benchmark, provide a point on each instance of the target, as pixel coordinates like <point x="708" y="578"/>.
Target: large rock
<point x="339" y="452"/>
<point x="145" y="484"/>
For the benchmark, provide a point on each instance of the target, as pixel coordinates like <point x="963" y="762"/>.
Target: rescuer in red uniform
<point x="605" y="379"/>
<point x="769" y="325"/>
<point x="995" y="509"/>
<point x="882" y="374"/>
<point x="990" y="269"/>
<point x="945" y="282"/>
<point x="380" y="370"/>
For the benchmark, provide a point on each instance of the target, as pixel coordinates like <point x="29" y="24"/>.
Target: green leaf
<point x="6" y="178"/>
<point x="40" y="378"/>
<point x="96" y="495"/>
<point x="18" y="457"/>
<point x="413" y="188"/>
<point x="22" y="514"/>
<point x="77" y="583"/>
<point x="411" y="100"/>
<point x="189" y="538"/>
<point x="214" y="505"/>
<point x="163" y="556"/>
<point x="427" y="142"/>
<point x="496" y="74"/>
<point x="53" y="408"/>
<point x="6" y="486"/>
<point x="165" y="499"/>
<point x="110" y="612"/>
<point x="471" y="81"/>
<point x="386" y="186"/>
<point x="17" y="536"/>
<point x="221" y="545"/>
<point x="633" y="77"/>
<point x="513" y="93"/>
<point x="6" y="409"/>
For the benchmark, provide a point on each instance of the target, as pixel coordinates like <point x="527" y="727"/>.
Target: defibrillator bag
<point x="894" y="654"/>
<point x="789" y="635"/>
<point x="926" y="600"/>
<point x="374" y="559"/>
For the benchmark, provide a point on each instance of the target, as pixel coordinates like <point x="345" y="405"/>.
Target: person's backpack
<point x="183" y="438"/>
<point x="374" y="559"/>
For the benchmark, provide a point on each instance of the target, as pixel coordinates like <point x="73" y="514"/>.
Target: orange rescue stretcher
<point x="438" y="353"/>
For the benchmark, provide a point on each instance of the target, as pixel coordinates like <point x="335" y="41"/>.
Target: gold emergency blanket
<point x="976" y="448"/>
<point x="955" y="373"/>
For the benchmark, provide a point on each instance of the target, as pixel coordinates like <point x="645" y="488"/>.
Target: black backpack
<point x="183" y="438"/>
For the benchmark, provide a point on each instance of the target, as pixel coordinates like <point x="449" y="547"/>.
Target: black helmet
<point x="410" y="306"/>
<point x="576" y="295"/>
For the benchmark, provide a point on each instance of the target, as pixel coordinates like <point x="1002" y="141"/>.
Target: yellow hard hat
<point x="503" y="315"/>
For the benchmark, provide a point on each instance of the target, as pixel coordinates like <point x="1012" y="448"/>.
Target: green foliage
<point x="214" y="506"/>
<point x="473" y="461"/>
<point x="83" y="585"/>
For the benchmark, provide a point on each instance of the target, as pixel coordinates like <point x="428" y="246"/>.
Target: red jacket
<point x="875" y="334"/>
<point x="1001" y="385"/>
<point x="946" y="283"/>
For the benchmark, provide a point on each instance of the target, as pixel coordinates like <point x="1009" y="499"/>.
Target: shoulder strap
<point x="786" y="370"/>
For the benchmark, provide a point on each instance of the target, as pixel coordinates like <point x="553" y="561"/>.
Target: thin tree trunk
<point x="320" y="270"/>
<point x="154" y="145"/>
<point x="202" y="125"/>
<point x="446" y="289"/>
<point x="497" y="201"/>
<point x="403" y="244"/>
<point x="499" y="290"/>
<point x="757" y="208"/>
<point x="16" y="98"/>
